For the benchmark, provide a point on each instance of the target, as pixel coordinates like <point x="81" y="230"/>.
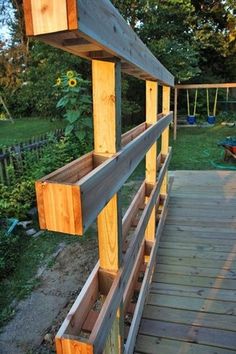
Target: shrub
<point x="10" y="249"/>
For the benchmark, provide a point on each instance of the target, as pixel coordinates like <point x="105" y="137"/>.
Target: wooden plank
<point x="175" y="112"/>
<point x="130" y="343"/>
<point x="199" y="248"/>
<point x="48" y="17"/>
<point x="227" y="284"/>
<point x="192" y="304"/>
<point x="115" y="295"/>
<point x="209" y="320"/>
<point x="72" y="14"/>
<point x="103" y="182"/>
<point x="152" y="345"/>
<point x="28" y="17"/>
<point x="208" y="336"/>
<point x="193" y="291"/>
<point x="229" y="241"/>
<point x="192" y="261"/>
<point x="107" y="141"/>
<point x="132" y="211"/>
<point x="151" y="156"/>
<point x="133" y="133"/>
<point x="198" y="271"/>
<point x="205" y="86"/>
<point x="72" y="346"/>
<point x="100" y="23"/>
<point x="165" y="134"/>
<point x="199" y="229"/>
<point x="81" y="307"/>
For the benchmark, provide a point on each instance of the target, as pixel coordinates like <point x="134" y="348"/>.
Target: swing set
<point x="211" y="107"/>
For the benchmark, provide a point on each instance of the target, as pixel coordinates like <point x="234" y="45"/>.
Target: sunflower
<point x="70" y="74"/>
<point x="72" y="82"/>
<point x="58" y="82"/>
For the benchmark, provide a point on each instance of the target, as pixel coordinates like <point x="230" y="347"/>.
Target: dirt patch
<point x="38" y="317"/>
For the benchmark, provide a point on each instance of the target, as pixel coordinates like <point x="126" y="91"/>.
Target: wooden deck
<point x="191" y="306"/>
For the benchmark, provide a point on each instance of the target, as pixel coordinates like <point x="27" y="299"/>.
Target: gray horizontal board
<point x="198" y="247"/>
<point x="193" y="304"/>
<point x="230" y="241"/>
<point x="193" y="261"/>
<point x="102" y="23"/>
<point x="200" y="229"/>
<point x="208" y="336"/>
<point x="195" y="281"/>
<point x="99" y="186"/>
<point x="221" y="256"/>
<point x="223" y="223"/>
<point x="199" y="236"/>
<point x="197" y="271"/>
<point x="193" y="291"/>
<point x="155" y="345"/>
<point x="210" y="320"/>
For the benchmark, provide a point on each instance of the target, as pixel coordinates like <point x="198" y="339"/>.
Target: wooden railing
<point x="105" y="317"/>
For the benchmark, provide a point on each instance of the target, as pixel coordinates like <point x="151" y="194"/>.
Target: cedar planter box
<point x="59" y="196"/>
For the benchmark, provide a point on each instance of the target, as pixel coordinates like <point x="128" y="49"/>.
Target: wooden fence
<point x="12" y="158"/>
<point x="106" y="315"/>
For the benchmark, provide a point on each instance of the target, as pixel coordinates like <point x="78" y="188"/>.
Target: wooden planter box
<point x="59" y="196"/>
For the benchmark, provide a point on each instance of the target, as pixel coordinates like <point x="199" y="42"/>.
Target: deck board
<point x="191" y="305"/>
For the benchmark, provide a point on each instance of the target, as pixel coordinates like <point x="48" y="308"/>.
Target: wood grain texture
<point x="72" y="14"/>
<point x="205" y="86"/>
<point x="28" y="17"/>
<point x="151" y="156"/>
<point x="165" y="134"/>
<point x="48" y="17"/>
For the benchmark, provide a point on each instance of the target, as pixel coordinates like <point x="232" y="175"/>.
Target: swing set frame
<point x="196" y="87"/>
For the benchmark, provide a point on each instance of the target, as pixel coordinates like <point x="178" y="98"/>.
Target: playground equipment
<point x="211" y="118"/>
<point x="191" y="118"/>
<point x="216" y="86"/>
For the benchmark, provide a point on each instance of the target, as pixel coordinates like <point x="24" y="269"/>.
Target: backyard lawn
<point x="196" y="148"/>
<point x="24" y="129"/>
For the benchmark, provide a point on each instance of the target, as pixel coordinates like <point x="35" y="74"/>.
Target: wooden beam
<point x="99" y="23"/>
<point x="130" y="342"/>
<point x="108" y="311"/>
<point x="165" y="134"/>
<point x="175" y="112"/>
<point x="151" y="156"/>
<point x="107" y="141"/>
<point x="205" y="86"/>
<point x="95" y="186"/>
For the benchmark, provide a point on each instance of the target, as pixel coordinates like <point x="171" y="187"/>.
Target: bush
<point x="10" y="249"/>
<point x="17" y="199"/>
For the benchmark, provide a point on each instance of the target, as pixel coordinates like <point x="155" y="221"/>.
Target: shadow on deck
<point x="191" y="305"/>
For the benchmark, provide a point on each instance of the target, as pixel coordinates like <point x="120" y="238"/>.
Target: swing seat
<point x="191" y="119"/>
<point x="211" y="119"/>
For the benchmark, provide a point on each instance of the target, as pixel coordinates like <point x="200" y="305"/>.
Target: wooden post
<point x="107" y="141"/>
<point x="151" y="156"/>
<point x="165" y="134"/>
<point x="175" y="113"/>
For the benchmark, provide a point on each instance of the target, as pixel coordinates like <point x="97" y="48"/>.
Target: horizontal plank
<point x="152" y="345"/>
<point x="206" y="282"/>
<point x="198" y="236"/>
<point x="209" y="241"/>
<point x="193" y="261"/>
<point x="205" y="86"/>
<point x="197" y="270"/>
<point x="208" y="336"/>
<point x="199" y="247"/>
<point x="101" y="184"/>
<point x="100" y="24"/>
<point x="192" y="304"/>
<point x="209" y="213"/>
<point x="193" y="291"/>
<point x="200" y="229"/>
<point x="114" y="297"/>
<point x="209" y="320"/>
<point x="222" y="223"/>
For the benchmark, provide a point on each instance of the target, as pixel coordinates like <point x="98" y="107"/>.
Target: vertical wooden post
<point x="107" y="141"/>
<point x="175" y="113"/>
<point x="165" y="134"/>
<point x="151" y="156"/>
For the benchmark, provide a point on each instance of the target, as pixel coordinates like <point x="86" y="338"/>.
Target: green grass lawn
<point x="196" y="148"/>
<point x="24" y="129"/>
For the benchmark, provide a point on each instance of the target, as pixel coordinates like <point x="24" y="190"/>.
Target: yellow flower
<point x="70" y="74"/>
<point x="72" y="82"/>
<point x="58" y="82"/>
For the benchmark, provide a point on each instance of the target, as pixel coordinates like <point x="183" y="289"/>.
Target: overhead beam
<point x="100" y="24"/>
<point x="205" y="86"/>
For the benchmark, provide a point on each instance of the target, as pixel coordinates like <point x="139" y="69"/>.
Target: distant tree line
<point x="195" y="40"/>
